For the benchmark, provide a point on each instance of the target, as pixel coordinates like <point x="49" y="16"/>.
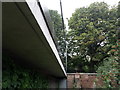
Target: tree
<point x="118" y="20"/>
<point x="93" y="29"/>
<point x="59" y="32"/>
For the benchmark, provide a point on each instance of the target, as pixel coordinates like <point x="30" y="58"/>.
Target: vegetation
<point x="59" y="32"/>
<point x="109" y="70"/>
<point x="92" y="35"/>
<point x="16" y="76"/>
<point x="93" y="46"/>
<point x="94" y="42"/>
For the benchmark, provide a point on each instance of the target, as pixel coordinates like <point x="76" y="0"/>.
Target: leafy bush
<point x="109" y="70"/>
<point x="16" y="76"/>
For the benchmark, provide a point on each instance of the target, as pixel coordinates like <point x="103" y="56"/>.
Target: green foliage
<point x="16" y="76"/>
<point x="119" y="16"/>
<point x="92" y="34"/>
<point x="110" y="69"/>
<point x="59" y="32"/>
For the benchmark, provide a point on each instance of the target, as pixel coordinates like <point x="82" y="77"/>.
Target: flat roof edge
<point x="35" y="9"/>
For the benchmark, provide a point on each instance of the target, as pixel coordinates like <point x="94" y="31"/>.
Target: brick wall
<point x="82" y="80"/>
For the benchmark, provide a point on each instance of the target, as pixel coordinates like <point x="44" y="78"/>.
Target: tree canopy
<point x="93" y="41"/>
<point x="91" y="36"/>
<point x="59" y="32"/>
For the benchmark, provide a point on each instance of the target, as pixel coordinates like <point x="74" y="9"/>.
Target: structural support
<point x="63" y="27"/>
<point x="63" y="83"/>
<point x="0" y="45"/>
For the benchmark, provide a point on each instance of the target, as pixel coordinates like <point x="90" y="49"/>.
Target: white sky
<point x="69" y="6"/>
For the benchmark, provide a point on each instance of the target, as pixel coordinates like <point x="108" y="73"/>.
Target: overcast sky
<point x="69" y="6"/>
